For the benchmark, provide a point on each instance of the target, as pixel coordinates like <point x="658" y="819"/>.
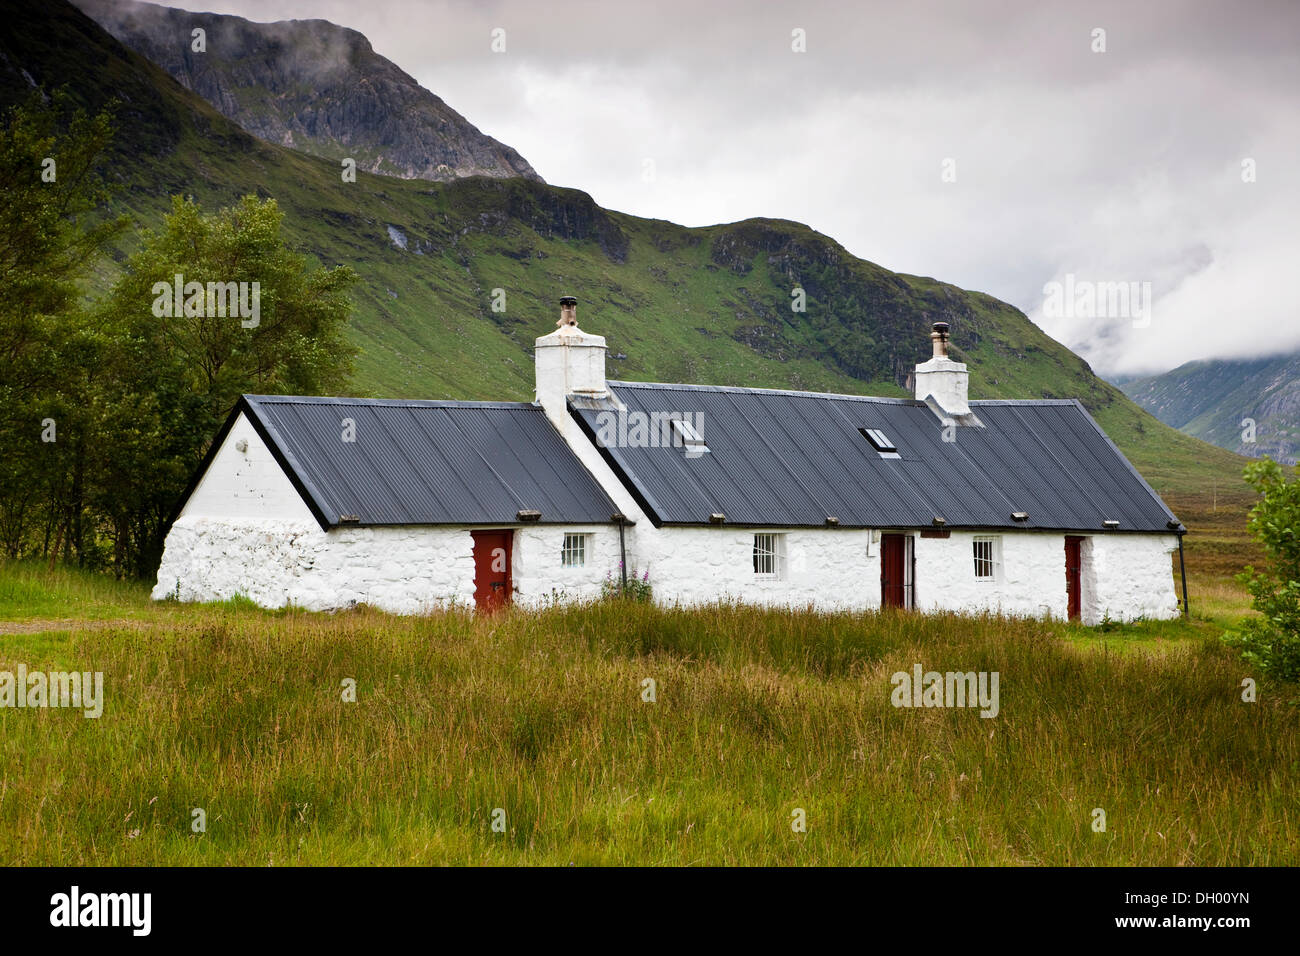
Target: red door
<point x="492" y="569"/>
<point x="1073" y="588"/>
<point x="893" y="571"/>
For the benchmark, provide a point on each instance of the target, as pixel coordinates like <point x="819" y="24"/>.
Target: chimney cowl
<point x="939" y="336"/>
<point x="568" y="312"/>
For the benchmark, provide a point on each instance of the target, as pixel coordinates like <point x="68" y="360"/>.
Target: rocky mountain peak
<point x="313" y="86"/>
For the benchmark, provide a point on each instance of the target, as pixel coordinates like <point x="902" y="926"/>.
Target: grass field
<point x="758" y="714"/>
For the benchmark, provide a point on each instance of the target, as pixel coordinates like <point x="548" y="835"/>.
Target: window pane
<point x="688" y="431"/>
<point x="573" y="553"/>
<point x="765" y="554"/>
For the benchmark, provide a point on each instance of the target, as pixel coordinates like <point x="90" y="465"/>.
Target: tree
<point x="52" y="230"/>
<point x="107" y="409"/>
<point x="1272" y="641"/>
<point x="251" y="316"/>
<point x="294" y="343"/>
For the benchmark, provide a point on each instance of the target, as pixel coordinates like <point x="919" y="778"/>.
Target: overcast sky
<point x="1122" y="166"/>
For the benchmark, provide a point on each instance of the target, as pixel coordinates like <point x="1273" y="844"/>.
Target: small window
<point x="573" y="554"/>
<point x="988" y="558"/>
<point x="690" y="436"/>
<point x="880" y="442"/>
<point x="769" y="554"/>
<point x="687" y="430"/>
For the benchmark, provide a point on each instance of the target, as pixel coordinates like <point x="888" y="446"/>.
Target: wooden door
<point x="1073" y="577"/>
<point x="492" y="582"/>
<point x="895" y="574"/>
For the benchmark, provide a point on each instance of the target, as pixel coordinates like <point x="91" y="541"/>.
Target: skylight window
<point x="688" y="431"/>
<point x="880" y="441"/>
<point x="690" y="436"/>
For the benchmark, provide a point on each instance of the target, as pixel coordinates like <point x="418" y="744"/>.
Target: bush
<point x="636" y="589"/>
<point x="1272" y="642"/>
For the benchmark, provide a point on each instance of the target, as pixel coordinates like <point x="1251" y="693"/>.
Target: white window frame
<point x="768" y="551"/>
<point x="689" y="435"/>
<point x="686" y="430"/>
<point x="993" y="561"/>
<point x="881" y="442"/>
<point x="568" y="551"/>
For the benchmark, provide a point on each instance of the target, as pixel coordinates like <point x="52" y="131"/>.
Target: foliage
<point x="176" y="378"/>
<point x="105" y="407"/>
<point x="51" y="231"/>
<point x="50" y="188"/>
<point x="297" y="344"/>
<point x="1272" y="641"/>
<point x="635" y="589"/>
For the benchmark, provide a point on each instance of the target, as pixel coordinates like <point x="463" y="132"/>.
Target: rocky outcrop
<point x="882" y="320"/>
<point x="312" y="86"/>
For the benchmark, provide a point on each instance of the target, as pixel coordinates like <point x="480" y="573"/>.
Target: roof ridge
<point x="683" y="386"/>
<point x="383" y="402"/>
<point x="686" y="386"/>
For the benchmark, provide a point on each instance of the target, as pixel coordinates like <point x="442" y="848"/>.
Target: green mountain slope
<point x="710" y="305"/>
<point x="1216" y="402"/>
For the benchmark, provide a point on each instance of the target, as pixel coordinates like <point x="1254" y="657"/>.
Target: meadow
<point x="540" y="724"/>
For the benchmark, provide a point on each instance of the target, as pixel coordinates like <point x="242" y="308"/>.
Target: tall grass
<point x="31" y="589"/>
<point x="542" y="715"/>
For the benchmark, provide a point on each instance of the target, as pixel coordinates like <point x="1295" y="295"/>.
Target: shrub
<point x="638" y="588"/>
<point x="1272" y="641"/>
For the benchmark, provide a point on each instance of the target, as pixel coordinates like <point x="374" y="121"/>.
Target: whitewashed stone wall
<point x="1129" y="576"/>
<point x="832" y="568"/>
<point x="405" y="570"/>
<point x="1030" y="581"/>
<point x="276" y="563"/>
<point x="539" y="576"/>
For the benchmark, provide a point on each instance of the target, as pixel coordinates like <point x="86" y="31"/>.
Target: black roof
<point x="417" y="462"/>
<point x="793" y="459"/>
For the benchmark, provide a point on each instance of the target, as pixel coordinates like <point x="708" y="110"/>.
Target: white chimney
<point x="569" y="362"/>
<point x="942" y="379"/>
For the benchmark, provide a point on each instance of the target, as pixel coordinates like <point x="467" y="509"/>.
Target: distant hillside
<point x="313" y="86"/>
<point x="708" y="305"/>
<point x="1213" y="400"/>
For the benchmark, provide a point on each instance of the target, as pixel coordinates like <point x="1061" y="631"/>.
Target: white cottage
<point x="758" y="495"/>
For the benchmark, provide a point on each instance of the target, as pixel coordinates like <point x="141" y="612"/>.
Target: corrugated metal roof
<point x="416" y="462"/>
<point x="792" y="459"/>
